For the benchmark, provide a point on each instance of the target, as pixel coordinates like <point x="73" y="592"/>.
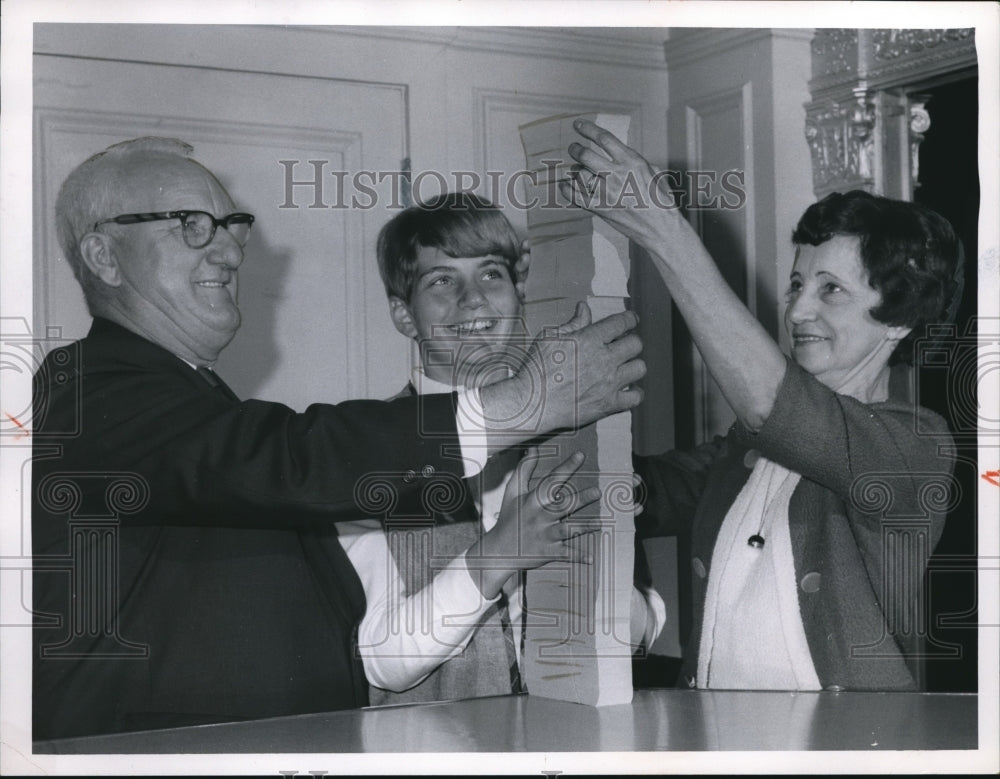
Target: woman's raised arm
<point x="739" y="353"/>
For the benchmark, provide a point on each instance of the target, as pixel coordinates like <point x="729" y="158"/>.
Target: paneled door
<point x="292" y="150"/>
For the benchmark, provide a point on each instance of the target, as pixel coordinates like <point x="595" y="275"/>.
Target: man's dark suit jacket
<point x="186" y="564"/>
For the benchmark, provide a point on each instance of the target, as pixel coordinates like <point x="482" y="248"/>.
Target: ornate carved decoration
<point x="842" y="59"/>
<point x="864" y="115"/>
<point x="920" y="122"/>
<point x="841" y="141"/>
<point x="891" y="44"/>
<point x="834" y="51"/>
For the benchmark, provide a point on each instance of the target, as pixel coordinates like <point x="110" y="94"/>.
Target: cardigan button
<point x="427" y="471"/>
<point x="810" y="582"/>
<point x="409" y="476"/>
<point x="750" y="458"/>
<point x="699" y="568"/>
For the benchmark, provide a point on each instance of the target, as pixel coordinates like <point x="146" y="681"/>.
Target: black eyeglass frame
<point x="238" y="217"/>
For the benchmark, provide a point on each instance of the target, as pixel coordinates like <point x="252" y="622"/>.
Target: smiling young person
<point x="802" y="578"/>
<point x="454" y="273"/>
<point x="444" y="603"/>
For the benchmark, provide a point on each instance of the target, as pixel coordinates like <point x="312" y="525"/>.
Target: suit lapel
<point x="467" y="511"/>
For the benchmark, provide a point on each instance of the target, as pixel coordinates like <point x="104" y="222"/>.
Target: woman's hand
<point x="533" y="529"/>
<point x="622" y="188"/>
<point x="619" y="185"/>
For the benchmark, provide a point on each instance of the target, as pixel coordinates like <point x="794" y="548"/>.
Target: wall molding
<point x="711" y="413"/>
<point x="593" y="45"/>
<point x="688" y="45"/>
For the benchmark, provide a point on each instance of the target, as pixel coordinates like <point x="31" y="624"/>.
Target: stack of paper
<point x="577" y="633"/>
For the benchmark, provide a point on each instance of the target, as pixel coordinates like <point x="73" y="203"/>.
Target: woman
<point x="813" y="518"/>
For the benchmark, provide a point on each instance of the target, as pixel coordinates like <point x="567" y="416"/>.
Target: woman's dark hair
<point x="460" y="224"/>
<point x="911" y="255"/>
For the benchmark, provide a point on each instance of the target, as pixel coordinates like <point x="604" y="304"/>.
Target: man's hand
<point x="532" y="528"/>
<point x="572" y="376"/>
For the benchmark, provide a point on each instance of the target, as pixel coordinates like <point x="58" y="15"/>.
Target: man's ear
<point x="100" y="258"/>
<point x="521" y="268"/>
<point x="402" y="318"/>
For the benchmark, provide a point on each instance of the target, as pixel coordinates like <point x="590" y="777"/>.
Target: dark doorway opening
<point x="949" y="184"/>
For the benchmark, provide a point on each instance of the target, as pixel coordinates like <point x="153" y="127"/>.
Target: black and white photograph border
<point x="554" y="57"/>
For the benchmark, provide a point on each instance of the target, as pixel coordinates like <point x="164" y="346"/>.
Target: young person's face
<point x="465" y="313"/>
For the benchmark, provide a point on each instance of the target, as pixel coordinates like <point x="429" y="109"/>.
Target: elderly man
<point x="221" y="593"/>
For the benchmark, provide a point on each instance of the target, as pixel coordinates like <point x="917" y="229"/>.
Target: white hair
<point x="92" y="192"/>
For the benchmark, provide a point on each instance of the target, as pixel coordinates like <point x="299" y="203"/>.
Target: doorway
<point x="949" y="184"/>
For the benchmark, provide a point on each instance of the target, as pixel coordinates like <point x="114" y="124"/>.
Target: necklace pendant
<point x="756" y="541"/>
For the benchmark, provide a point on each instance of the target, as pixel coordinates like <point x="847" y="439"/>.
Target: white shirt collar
<point x="210" y="366"/>
<point x="425" y="385"/>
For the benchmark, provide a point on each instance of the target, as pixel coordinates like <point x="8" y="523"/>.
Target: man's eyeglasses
<point x="197" y="227"/>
